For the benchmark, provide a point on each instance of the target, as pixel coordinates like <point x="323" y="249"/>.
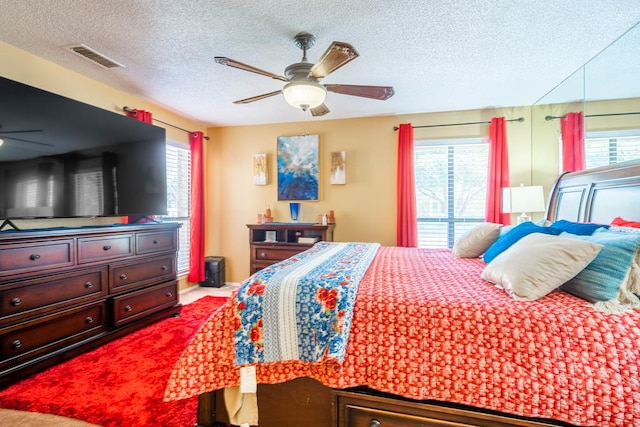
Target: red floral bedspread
<point x="426" y="326"/>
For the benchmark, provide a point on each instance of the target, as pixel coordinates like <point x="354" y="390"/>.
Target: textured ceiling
<point x="438" y="55"/>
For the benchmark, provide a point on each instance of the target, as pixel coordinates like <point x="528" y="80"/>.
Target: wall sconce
<point x="523" y="199"/>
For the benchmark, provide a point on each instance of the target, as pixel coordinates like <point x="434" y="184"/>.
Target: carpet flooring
<point x="121" y="383"/>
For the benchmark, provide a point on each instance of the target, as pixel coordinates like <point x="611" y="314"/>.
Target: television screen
<point x="63" y="158"/>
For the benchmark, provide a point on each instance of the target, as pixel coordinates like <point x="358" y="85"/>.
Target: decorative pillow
<point x="579" y="228"/>
<point x="602" y="279"/>
<point x="505" y="229"/>
<point x="623" y="229"/>
<point x="624" y="223"/>
<point x="539" y="263"/>
<point x="516" y="233"/>
<point x="543" y="222"/>
<point x="474" y="242"/>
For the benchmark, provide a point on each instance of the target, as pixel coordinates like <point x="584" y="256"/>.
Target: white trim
<point x="452" y="141"/>
<point x="612" y="133"/>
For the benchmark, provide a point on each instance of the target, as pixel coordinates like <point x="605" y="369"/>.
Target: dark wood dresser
<point x="288" y="240"/>
<point x="67" y="290"/>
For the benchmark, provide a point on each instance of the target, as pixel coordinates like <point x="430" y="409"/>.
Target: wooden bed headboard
<point x="597" y="195"/>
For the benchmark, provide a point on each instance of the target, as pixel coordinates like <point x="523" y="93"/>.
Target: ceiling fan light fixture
<point x="304" y="95"/>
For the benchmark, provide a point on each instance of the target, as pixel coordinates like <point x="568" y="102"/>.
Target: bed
<point x="431" y="342"/>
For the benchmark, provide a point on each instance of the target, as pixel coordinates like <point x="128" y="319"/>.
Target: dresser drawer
<point x="27" y="257"/>
<point x="163" y="241"/>
<point x="91" y="249"/>
<point x="133" y="275"/>
<point x="37" y="296"/>
<point x="356" y="409"/>
<point x="363" y="416"/>
<point x="134" y="305"/>
<point x="52" y="332"/>
<point x="272" y="253"/>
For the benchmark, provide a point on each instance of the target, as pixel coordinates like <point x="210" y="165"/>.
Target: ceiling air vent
<point x="94" y="56"/>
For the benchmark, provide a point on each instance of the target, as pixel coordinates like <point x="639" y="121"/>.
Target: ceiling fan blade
<point x="235" y="64"/>
<point x="5" y="132"/>
<point x="374" y="92"/>
<point x="336" y="55"/>
<point x="27" y="141"/>
<point x="257" y="98"/>
<point x="320" y="110"/>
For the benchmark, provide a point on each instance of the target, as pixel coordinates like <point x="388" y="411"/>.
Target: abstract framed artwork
<point x="338" y="167"/>
<point x="260" y="169"/>
<point x="298" y="177"/>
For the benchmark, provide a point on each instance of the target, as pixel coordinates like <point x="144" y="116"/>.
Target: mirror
<point x="606" y="89"/>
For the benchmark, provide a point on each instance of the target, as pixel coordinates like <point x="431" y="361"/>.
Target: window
<point x="607" y="148"/>
<point x="178" y="198"/>
<point x="451" y="188"/>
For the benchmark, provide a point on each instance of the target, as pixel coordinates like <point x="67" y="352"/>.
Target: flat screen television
<point x="61" y="158"/>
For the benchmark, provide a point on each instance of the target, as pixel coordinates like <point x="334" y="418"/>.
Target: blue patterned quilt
<point x="301" y="308"/>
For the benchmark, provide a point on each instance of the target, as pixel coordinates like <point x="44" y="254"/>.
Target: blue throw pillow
<point x="602" y="278"/>
<point x="505" y="241"/>
<point x="579" y="228"/>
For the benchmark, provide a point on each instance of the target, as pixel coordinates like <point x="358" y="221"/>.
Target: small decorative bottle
<point x="324" y="219"/>
<point x="267" y="214"/>
<point x="331" y="219"/>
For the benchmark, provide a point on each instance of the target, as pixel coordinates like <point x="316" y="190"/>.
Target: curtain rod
<point x="131" y="110"/>
<point x="519" y="119"/>
<point x="548" y="118"/>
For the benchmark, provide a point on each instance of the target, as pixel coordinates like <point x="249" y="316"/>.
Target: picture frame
<point x="260" y="171"/>
<point x="298" y="176"/>
<point x="338" y="167"/>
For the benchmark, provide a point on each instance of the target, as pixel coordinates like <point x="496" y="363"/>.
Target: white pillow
<point x="539" y="263"/>
<point x="476" y="241"/>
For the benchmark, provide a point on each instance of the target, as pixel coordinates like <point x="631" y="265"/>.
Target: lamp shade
<point x="304" y="95"/>
<point x="523" y="199"/>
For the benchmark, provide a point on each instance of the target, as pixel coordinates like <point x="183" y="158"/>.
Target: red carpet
<point x="121" y="383"/>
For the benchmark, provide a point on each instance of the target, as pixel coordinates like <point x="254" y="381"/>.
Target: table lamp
<point x="523" y="199"/>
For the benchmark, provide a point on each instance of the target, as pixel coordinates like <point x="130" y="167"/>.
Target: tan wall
<point x="545" y="165"/>
<point x="21" y="66"/>
<point x="365" y="207"/>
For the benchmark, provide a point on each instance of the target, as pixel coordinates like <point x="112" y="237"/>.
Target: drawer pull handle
<point x="128" y="308"/>
<point x="88" y="285"/>
<point x="123" y="276"/>
<point x="89" y="319"/>
<point x="106" y="247"/>
<point x="164" y="268"/>
<point x="16" y="344"/>
<point x="169" y="294"/>
<point x="34" y="257"/>
<point x="156" y="241"/>
<point x="374" y="423"/>
<point x="16" y="301"/>
<point x="263" y="254"/>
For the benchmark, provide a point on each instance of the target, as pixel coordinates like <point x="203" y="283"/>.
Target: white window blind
<point x="179" y="198"/>
<point x="607" y="148"/>
<point x="451" y="187"/>
<point x="89" y="193"/>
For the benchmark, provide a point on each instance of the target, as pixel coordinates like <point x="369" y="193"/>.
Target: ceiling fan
<point x="303" y="89"/>
<point x="9" y="135"/>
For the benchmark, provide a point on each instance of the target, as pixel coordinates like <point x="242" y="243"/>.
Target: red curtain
<point x="498" y="176"/>
<point x="407" y="223"/>
<point x="196" y="254"/>
<point x="143" y="116"/>
<point x="572" y="128"/>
